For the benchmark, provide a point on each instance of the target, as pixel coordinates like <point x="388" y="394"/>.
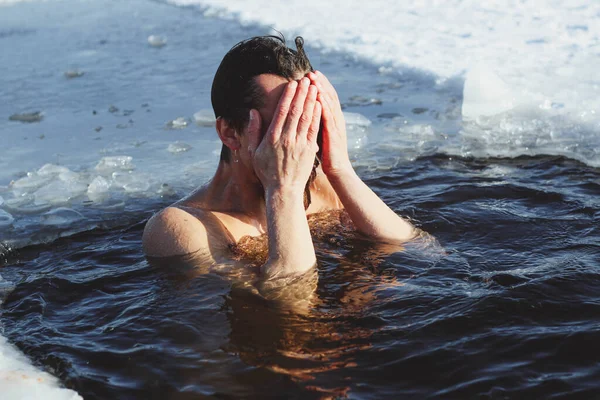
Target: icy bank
<point x="531" y="85"/>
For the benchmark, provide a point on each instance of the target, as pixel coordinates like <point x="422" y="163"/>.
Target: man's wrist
<point x="284" y="193"/>
<point x="341" y="174"/>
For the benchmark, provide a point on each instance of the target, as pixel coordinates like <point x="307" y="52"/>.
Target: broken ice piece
<point x="205" y="118"/>
<point x="121" y="179"/>
<point x="178" y="147"/>
<point x="51" y="169"/>
<point x="357" y="126"/>
<point x="177" y="123"/>
<point x="36" y="116"/>
<point x="131" y="182"/>
<point x="356" y="119"/>
<point x="98" y="185"/>
<point x="31" y="181"/>
<point x="157" y="41"/>
<point x="1" y="200"/>
<point x="27" y="208"/>
<point x="98" y="189"/>
<point x="6" y="219"/>
<point x="73" y="73"/>
<point x="137" y="186"/>
<point x="61" y="216"/>
<point x="59" y="191"/>
<point x="115" y="163"/>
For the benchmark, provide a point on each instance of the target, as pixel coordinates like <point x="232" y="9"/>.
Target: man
<point x="269" y="105"/>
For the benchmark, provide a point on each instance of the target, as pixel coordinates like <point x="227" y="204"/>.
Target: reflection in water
<point x="297" y="326"/>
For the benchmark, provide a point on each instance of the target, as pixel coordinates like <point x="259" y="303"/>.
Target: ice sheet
<point x="19" y="380"/>
<point x="522" y="61"/>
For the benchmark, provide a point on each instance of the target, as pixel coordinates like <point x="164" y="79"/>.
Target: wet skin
<point x="260" y="191"/>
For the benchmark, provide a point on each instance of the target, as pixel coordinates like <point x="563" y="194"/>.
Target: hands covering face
<point x="283" y="159"/>
<point x="285" y="156"/>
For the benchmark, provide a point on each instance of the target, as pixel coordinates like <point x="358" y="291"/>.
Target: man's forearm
<point x="291" y="249"/>
<point x="368" y="212"/>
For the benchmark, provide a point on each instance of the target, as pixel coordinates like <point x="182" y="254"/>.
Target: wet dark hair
<point x="234" y="91"/>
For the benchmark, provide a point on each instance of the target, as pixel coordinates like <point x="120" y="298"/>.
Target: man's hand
<point x="335" y="158"/>
<point x="283" y="161"/>
<point x="368" y="212"/>
<point x="284" y="158"/>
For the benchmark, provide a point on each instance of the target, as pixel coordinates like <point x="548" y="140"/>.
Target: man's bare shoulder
<point x="175" y="231"/>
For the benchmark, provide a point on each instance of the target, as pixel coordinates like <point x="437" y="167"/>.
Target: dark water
<point x="510" y="310"/>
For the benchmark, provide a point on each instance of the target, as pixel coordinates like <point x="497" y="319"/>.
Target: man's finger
<point x="326" y="109"/>
<point x="313" y="131"/>
<point x="296" y="109"/>
<point x="321" y="76"/>
<point x="253" y="131"/>
<point x="324" y="93"/>
<point x="307" y="115"/>
<point x="323" y="84"/>
<point x="282" y="110"/>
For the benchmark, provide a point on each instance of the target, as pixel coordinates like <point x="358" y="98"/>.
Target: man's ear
<point x="228" y="134"/>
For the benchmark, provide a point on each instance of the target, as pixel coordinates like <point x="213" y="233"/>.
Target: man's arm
<point x="368" y="212"/>
<point x="283" y="161"/>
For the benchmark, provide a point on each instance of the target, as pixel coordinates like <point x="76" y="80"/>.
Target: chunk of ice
<point x="157" y="41"/>
<point x="121" y="179"/>
<point x="51" y="170"/>
<point x="31" y="208"/>
<point x="138" y="186"/>
<point x="73" y="73"/>
<point x="60" y="191"/>
<point x="357" y="126"/>
<point x="205" y="117"/>
<point x="110" y="164"/>
<point x="69" y="176"/>
<point x="1" y="200"/>
<point x="133" y="183"/>
<point x="6" y="219"/>
<point x="36" y="116"/>
<point x="29" y="184"/>
<point x="356" y="119"/>
<point x="98" y="189"/>
<point x="177" y="123"/>
<point x="178" y="147"/>
<point x="61" y="216"/>
<point x="98" y="185"/>
<point x="24" y="205"/>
